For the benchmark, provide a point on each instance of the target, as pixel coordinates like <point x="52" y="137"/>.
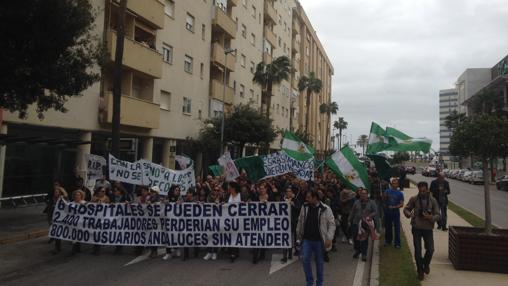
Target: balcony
<point x="270" y="12"/>
<point x="217" y="92"/>
<point x="218" y="57"/>
<point x="267" y="58"/>
<point x="222" y="21"/>
<point x="270" y="37"/>
<point x="296" y="27"/>
<point x="150" y="10"/>
<point x="295" y="45"/>
<point x="134" y="112"/>
<point x="137" y="56"/>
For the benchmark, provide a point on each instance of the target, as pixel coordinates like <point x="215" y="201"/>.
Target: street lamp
<point x="226" y="52"/>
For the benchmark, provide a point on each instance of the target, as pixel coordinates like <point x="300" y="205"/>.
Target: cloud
<point x="392" y="57"/>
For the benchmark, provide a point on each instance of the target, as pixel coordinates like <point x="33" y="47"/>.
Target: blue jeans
<point x="444" y="216"/>
<point x="392" y="226"/>
<point x="310" y="247"/>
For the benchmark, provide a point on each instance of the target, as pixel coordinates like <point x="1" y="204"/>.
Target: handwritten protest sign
<point x="95" y="166"/>
<point x="280" y="163"/>
<point x="251" y="225"/>
<point x="164" y="178"/>
<point x="229" y="167"/>
<point x="126" y="172"/>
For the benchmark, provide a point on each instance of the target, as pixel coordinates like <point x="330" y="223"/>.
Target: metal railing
<point x="25" y="200"/>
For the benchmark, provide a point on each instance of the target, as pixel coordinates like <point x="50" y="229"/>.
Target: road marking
<point x="146" y="256"/>
<point x="360" y="269"/>
<point x="277" y="265"/>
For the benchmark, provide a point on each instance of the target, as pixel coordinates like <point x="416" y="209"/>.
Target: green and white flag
<point x="401" y="142"/>
<point x="296" y="148"/>
<point x="377" y="139"/>
<point x="350" y="170"/>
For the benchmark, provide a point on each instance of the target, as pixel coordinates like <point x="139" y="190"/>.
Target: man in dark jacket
<point x="440" y="189"/>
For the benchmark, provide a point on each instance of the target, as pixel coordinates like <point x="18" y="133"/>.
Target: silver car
<point x="476" y="177"/>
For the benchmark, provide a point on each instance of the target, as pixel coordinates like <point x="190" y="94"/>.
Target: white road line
<point x="277" y="265"/>
<point x="360" y="269"/>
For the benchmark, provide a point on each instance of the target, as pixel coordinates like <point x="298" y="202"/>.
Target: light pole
<point x="226" y="52"/>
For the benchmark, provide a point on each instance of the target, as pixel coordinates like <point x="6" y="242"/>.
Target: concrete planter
<point x="470" y="249"/>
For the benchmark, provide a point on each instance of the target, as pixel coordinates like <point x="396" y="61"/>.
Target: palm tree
<point x="341" y="124"/>
<point x="362" y="141"/>
<point x="313" y="85"/>
<point x="329" y="109"/>
<point x="267" y="75"/>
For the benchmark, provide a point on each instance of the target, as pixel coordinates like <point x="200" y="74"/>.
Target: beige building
<point x="177" y="56"/>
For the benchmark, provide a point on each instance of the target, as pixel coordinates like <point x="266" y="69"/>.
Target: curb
<point x="25" y="236"/>
<point x="374" y="267"/>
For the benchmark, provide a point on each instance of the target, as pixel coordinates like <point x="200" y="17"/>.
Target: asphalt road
<point x="471" y="197"/>
<point x="30" y="263"/>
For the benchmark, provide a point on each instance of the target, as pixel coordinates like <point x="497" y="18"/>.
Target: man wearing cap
<point x="393" y="200"/>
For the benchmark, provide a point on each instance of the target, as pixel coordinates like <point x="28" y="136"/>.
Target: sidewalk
<point x="22" y="223"/>
<point x="441" y="269"/>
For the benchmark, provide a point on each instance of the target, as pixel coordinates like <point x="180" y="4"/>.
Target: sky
<point x="391" y="57"/>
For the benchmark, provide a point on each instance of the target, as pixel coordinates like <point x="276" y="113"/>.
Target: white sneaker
<point x="350" y="241"/>
<point x="344" y="240"/>
<point x="214" y="256"/>
<point x="207" y="256"/>
<point x="167" y="256"/>
<point x="177" y="252"/>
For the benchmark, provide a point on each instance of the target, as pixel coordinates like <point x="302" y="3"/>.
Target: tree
<point x="266" y="75"/>
<point x="48" y="52"/>
<point x="485" y="136"/>
<point x="328" y="109"/>
<point x="340" y="125"/>
<point x="312" y="85"/>
<point x="400" y="157"/>
<point x="245" y="125"/>
<point x="362" y="141"/>
<point x="454" y="119"/>
<point x="117" y="80"/>
<point x="488" y="102"/>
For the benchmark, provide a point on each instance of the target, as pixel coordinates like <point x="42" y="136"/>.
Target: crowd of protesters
<point x="352" y="217"/>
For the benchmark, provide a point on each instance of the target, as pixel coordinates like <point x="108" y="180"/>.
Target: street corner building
<point x="178" y="71"/>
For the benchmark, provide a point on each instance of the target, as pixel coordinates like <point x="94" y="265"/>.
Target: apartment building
<point x="308" y="55"/>
<point x="448" y="103"/>
<point x="184" y="62"/>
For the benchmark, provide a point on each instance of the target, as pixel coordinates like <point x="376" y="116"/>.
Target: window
<point x="203" y="32"/>
<point x="252" y="67"/>
<point x="167" y="53"/>
<point x="200" y="116"/>
<point x="242" y="60"/>
<point x="253" y="39"/>
<point x="244" y="31"/>
<point x="189" y="22"/>
<point x="165" y="101"/>
<point x="169" y="8"/>
<point x="242" y="90"/>
<point x="186" y="108"/>
<point x="254" y="11"/>
<point x="280" y="41"/>
<point x="188" y="64"/>
<point x="201" y="70"/>
<point x="251" y="93"/>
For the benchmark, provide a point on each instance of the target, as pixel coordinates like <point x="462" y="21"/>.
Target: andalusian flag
<point x="377" y="139"/>
<point x="296" y="148"/>
<point x="349" y="169"/>
<point x="401" y="142"/>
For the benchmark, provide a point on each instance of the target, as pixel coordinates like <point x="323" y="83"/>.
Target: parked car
<point x="466" y="177"/>
<point x="476" y="177"/>
<point x="429" y="172"/>
<point x="411" y="170"/>
<point x="460" y="175"/>
<point x="502" y="183"/>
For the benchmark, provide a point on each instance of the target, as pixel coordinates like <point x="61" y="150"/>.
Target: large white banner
<point x="280" y="163"/>
<point x="252" y="225"/>
<point x="164" y="178"/>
